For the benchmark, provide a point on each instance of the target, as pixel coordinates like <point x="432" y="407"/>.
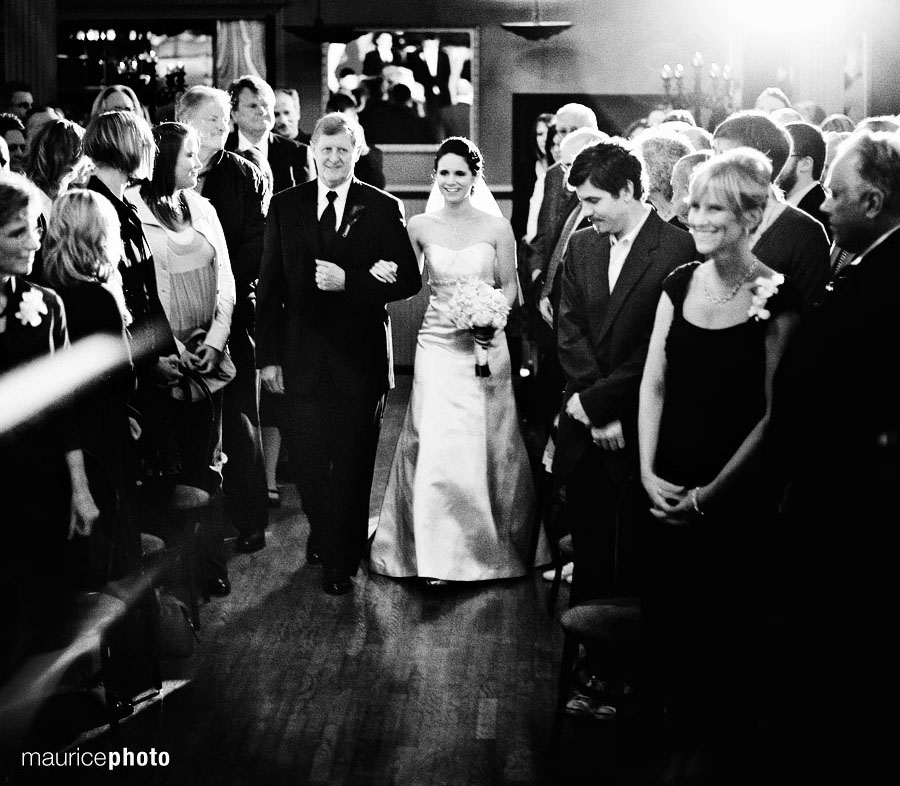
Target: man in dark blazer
<point x="801" y="175"/>
<point x="240" y="194"/>
<point x="835" y="423"/>
<point x="253" y="115"/>
<point x="336" y="251"/>
<point x="611" y="284"/>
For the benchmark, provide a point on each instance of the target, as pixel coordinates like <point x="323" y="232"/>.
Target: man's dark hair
<point x="808" y="142"/>
<point x="254" y="84"/>
<point x="608" y="166"/>
<point x="340" y="102"/>
<point x="752" y="128"/>
<point x="8" y="88"/>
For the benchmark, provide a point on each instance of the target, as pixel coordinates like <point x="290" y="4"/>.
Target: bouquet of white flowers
<point x="478" y="307"/>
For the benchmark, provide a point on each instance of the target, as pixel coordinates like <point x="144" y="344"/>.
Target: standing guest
<point x="836" y="419"/>
<point x="16" y="98"/>
<point x="81" y="255"/>
<point x="538" y="152"/>
<point x="287" y="115"/>
<point x="13" y="132"/>
<point x="459" y="499"/>
<point x="720" y="331"/>
<point x="121" y="147"/>
<point x="800" y="178"/>
<point x="253" y="115"/>
<point x="681" y="178"/>
<point x="660" y="151"/>
<point x="370" y="166"/>
<point x="240" y="195"/>
<point x="36" y="119"/>
<point x="55" y="160"/>
<point x="45" y="490"/>
<point x="118" y="97"/>
<point x="787" y="239"/>
<point x="611" y="282"/>
<point x="196" y="289"/>
<point x="770" y="99"/>
<point x="336" y="252"/>
<point x="837" y="122"/>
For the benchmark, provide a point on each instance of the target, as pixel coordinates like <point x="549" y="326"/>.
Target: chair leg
<point x="569" y="653"/>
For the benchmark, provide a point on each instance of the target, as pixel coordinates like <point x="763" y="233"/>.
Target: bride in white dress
<point x="459" y="503"/>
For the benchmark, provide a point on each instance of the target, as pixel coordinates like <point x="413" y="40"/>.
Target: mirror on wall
<point x="410" y="88"/>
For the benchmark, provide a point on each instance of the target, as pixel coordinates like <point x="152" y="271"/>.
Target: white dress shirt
<point x="262" y="145"/>
<point x="339" y="203"/>
<point x="619" y="249"/>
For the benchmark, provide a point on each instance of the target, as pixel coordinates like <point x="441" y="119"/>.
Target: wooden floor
<point x="394" y="684"/>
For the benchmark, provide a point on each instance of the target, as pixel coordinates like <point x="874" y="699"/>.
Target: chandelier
<point x="536" y="29"/>
<point x="717" y="100"/>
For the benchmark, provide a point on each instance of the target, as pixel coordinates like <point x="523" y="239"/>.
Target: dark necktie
<point x="327" y="221"/>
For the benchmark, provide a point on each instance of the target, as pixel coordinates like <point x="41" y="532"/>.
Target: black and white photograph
<point x="448" y="393"/>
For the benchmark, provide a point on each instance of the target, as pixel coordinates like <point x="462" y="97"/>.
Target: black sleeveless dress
<point x="707" y="585"/>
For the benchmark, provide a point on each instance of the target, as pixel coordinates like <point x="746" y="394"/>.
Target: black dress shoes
<point x="219" y="587"/>
<point x="312" y="555"/>
<point x="336" y="582"/>
<point x="247" y="544"/>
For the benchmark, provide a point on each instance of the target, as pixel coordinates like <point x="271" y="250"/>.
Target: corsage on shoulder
<point x="763" y="288"/>
<point x="31" y="307"/>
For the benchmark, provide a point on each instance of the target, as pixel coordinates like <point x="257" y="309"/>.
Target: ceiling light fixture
<point x="536" y="29"/>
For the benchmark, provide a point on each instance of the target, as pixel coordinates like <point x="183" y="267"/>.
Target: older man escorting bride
<point x="459" y="500"/>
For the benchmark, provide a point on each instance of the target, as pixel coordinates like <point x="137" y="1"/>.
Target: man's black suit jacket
<point x="603" y="337"/>
<point x="317" y="336"/>
<point x="811" y="204"/>
<point x="556" y="205"/>
<point x="286" y="157"/>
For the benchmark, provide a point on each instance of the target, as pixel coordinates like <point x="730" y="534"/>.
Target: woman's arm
<point x="663" y="494"/>
<point x="217" y="335"/>
<point x="506" y="261"/>
<point x="84" y="512"/>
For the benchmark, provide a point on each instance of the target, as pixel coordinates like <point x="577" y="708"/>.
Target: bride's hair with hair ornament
<point x="464" y="148"/>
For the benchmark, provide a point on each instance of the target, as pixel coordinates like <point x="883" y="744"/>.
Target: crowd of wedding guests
<point x="709" y="310"/>
<point x="727" y="423"/>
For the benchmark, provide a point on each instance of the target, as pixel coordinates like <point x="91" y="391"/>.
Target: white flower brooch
<point x="763" y="289"/>
<point x="31" y="308"/>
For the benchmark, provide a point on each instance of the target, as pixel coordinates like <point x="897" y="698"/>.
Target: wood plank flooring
<point x="396" y="683"/>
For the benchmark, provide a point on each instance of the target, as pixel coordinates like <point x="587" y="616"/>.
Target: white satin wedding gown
<point x="459" y="502"/>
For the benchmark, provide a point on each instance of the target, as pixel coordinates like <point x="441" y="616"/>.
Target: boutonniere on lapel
<point x="31" y="307"/>
<point x="355" y="213"/>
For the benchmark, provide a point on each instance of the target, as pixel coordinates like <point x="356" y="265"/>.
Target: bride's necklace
<point x="719" y="300"/>
<point x="455" y="225"/>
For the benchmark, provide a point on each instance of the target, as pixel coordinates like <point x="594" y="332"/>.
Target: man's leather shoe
<point x="312" y="555"/>
<point x="219" y="587"/>
<point x="247" y="544"/>
<point x="336" y="582"/>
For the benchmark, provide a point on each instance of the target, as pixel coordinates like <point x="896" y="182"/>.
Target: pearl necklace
<point x="719" y="300"/>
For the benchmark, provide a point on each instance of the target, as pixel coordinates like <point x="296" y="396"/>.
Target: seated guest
<point x="720" y="330"/>
<point x="46" y="496"/>
<point x="787" y="239"/>
<point x="878" y="123"/>
<point x="770" y="99"/>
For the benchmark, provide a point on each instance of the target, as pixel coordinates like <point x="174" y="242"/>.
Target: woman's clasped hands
<point x="670" y="503"/>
